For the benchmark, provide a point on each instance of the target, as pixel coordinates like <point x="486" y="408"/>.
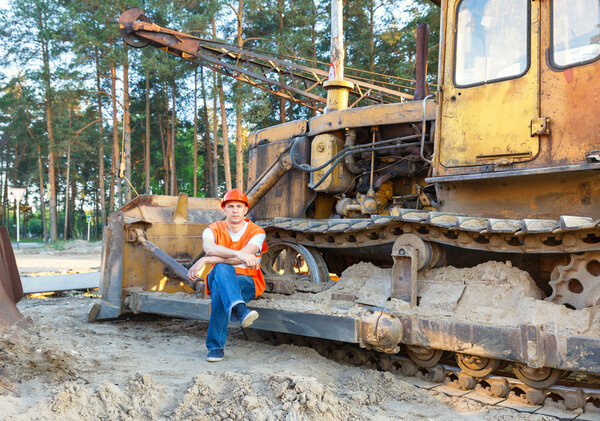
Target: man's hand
<point x="249" y="259"/>
<point x="194" y="271"/>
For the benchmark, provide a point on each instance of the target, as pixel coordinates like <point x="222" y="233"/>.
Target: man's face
<point x="235" y="211"/>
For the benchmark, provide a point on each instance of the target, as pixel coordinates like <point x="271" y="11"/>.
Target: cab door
<point x="490" y="87"/>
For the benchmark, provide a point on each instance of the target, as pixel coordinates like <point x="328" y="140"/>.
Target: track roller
<point x="476" y="366"/>
<point x="408" y="368"/>
<point x="436" y="374"/>
<point x="499" y="387"/>
<point x="535" y="396"/>
<point x="385" y="363"/>
<point x="538" y="378"/>
<point x="424" y="357"/>
<point x="465" y="381"/>
<point x="574" y="400"/>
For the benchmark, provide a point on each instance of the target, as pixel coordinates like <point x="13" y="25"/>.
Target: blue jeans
<point x="227" y="289"/>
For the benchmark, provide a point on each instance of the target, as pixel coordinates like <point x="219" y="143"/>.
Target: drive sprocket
<point x="577" y="284"/>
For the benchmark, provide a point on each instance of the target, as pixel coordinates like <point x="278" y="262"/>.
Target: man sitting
<point x="234" y="247"/>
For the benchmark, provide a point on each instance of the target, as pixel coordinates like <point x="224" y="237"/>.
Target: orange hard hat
<point x="234" y="195"/>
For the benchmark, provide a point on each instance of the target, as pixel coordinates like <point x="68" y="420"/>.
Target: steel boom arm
<point x="285" y="79"/>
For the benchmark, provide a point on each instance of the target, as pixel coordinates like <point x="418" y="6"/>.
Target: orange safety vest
<point x="222" y="238"/>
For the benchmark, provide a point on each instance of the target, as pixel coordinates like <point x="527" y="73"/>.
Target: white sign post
<point x="18" y="195"/>
<point x="89" y="221"/>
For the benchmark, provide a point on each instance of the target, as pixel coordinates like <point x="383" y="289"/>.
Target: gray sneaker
<point x="215" y="355"/>
<point x="249" y="317"/>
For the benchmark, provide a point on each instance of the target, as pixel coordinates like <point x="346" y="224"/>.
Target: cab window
<point x="492" y="41"/>
<point x="575" y="32"/>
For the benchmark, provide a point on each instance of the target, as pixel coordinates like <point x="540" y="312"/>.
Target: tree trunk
<point x="4" y="190"/>
<point x="42" y="200"/>
<point x="115" y="182"/>
<point x="25" y="219"/>
<point x="239" y="141"/>
<point x="313" y="39"/>
<point x="172" y="153"/>
<point x="71" y="205"/>
<point x="239" y="145"/>
<point x="196" y="133"/>
<point x="126" y="125"/>
<point x="281" y="100"/>
<point x="164" y="154"/>
<point x="147" y="143"/>
<point x="224" y="135"/>
<point x="101" y="186"/>
<point x="95" y="231"/>
<point x="51" y="141"/>
<point x="165" y="132"/>
<point x="215" y="136"/>
<point x="208" y="142"/>
<point x="224" y="131"/>
<point x="67" y="186"/>
<point x="372" y="36"/>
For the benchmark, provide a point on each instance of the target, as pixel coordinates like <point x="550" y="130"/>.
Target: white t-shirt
<point x="257" y="240"/>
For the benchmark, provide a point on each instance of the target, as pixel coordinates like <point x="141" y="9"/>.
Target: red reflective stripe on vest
<point x="222" y="238"/>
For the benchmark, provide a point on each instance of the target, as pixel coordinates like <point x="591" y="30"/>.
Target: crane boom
<point x="291" y="81"/>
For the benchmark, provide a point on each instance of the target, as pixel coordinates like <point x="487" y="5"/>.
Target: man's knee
<point x="224" y="268"/>
<point x="220" y="273"/>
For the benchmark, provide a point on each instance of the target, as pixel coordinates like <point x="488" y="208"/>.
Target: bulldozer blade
<point x="11" y="290"/>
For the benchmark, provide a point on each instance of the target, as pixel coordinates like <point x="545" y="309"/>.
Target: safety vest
<point x="222" y="238"/>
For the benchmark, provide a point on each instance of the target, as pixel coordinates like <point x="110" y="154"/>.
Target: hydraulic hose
<point x="350" y="163"/>
<point x="373" y="149"/>
<point x="349" y="150"/>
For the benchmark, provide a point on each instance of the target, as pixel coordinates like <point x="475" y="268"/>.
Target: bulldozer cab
<point x="517" y="85"/>
<point x="490" y="82"/>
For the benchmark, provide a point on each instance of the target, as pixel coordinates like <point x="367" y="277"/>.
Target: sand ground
<point x="63" y="368"/>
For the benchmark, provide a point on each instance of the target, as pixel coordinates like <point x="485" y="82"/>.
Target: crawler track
<point x="571" y="398"/>
<point x="569" y="234"/>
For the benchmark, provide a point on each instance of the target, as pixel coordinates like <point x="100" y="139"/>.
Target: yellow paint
<point x="489" y="123"/>
<point x="161" y="284"/>
<point x="40" y="295"/>
<point x="383" y="196"/>
<point x="323" y="148"/>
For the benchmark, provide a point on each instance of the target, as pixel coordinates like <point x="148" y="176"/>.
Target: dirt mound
<point x="24" y="356"/>
<point x="237" y="396"/>
<point x="140" y="399"/>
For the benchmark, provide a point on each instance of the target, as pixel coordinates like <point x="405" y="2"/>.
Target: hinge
<point x="594" y="155"/>
<point x="540" y="126"/>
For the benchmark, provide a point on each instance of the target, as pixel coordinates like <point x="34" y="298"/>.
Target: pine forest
<point x="87" y="122"/>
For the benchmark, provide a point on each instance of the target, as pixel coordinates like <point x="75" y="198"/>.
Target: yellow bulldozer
<point x="462" y="227"/>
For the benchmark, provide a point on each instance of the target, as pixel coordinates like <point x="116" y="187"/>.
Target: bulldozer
<point x="498" y="168"/>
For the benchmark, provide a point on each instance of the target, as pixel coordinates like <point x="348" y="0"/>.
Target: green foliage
<point x="80" y="41"/>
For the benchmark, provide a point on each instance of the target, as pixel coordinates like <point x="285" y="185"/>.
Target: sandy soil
<point x="77" y="257"/>
<point x="63" y="368"/>
<point x="492" y="292"/>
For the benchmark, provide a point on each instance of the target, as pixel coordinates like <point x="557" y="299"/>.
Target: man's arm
<point x="245" y="255"/>
<point x="249" y="252"/>
<point x="194" y="271"/>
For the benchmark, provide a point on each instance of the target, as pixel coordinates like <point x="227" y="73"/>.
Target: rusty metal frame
<point x="11" y="290"/>
<point x="298" y="82"/>
<point x="526" y="343"/>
